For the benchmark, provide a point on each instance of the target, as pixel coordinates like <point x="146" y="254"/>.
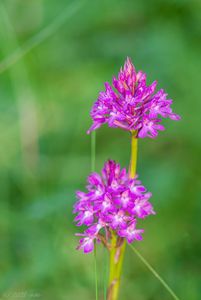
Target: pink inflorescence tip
<point x="132" y="105"/>
<point x="113" y="202"/>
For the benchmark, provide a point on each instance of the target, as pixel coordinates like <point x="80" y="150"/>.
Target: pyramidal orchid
<point x="114" y="202"/>
<point x="131" y="104"/>
<point x="116" y="199"/>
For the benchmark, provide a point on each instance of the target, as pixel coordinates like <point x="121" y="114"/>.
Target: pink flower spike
<point x="131" y="104"/>
<point x="113" y="202"/>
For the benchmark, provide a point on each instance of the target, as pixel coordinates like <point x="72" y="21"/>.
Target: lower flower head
<point x="113" y="202"/>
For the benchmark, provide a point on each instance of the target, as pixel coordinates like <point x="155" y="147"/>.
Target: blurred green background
<point x="49" y="80"/>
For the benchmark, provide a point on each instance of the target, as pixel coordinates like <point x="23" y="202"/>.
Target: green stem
<point x="132" y="174"/>
<point x="116" y="261"/>
<point x="133" y="160"/>
<point x="95" y="270"/>
<point x="93" y="164"/>
<point x="118" y="246"/>
<point x="93" y="151"/>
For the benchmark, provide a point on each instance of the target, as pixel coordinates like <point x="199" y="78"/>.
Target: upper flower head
<point x="113" y="202"/>
<point x="131" y="104"/>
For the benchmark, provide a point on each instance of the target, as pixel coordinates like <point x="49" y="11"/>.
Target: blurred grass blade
<point x="106" y="271"/>
<point x="23" y="93"/>
<point x="93" y="151"/>
<point x="41" y="36"/>
<point x="93" y="162"/>
<point x="95" y="269"/>
<point x="154" y="272"/>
